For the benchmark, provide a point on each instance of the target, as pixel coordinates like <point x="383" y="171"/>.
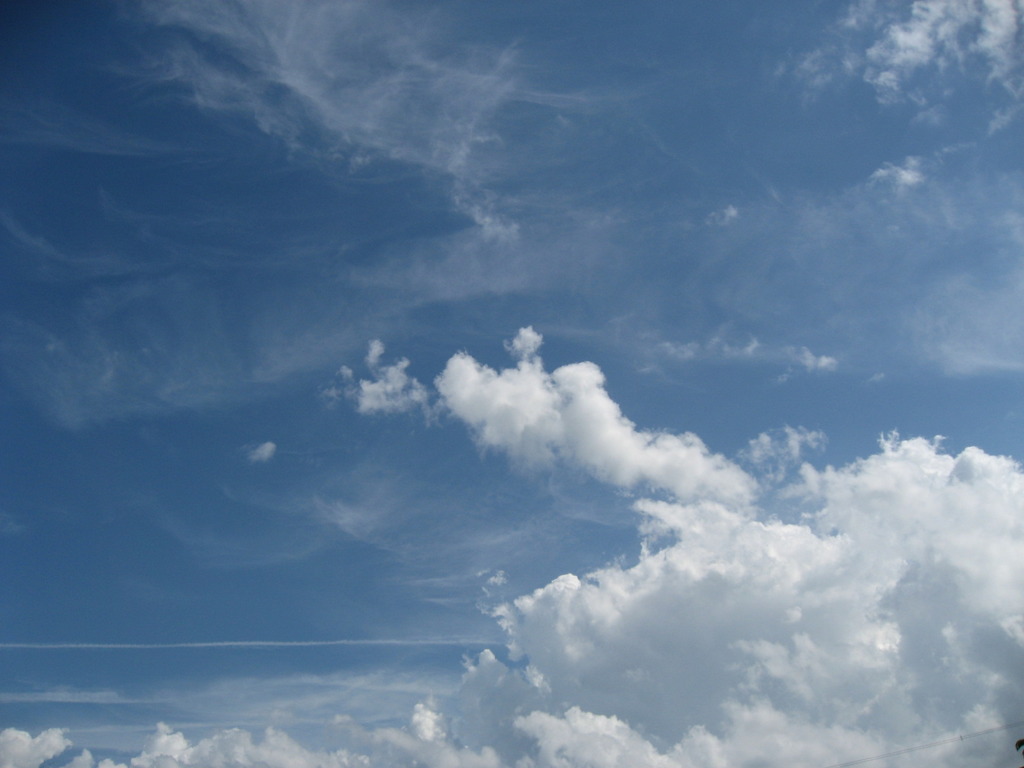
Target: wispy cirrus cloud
<point x="353" y="78"/>
<point x="900" y="177"/>
<point x="262" y="453"/>
<point x="879" y="270"/>
<point x="52" y="125"/>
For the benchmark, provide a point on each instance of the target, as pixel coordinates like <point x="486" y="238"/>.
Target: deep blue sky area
<point x="510" y="385"/>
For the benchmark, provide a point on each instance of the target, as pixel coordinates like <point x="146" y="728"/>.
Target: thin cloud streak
<point x="248" y="644"/>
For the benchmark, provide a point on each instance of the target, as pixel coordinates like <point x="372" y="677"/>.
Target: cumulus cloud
<point x="887" y="617"/>
<point x="19" y="749"/>
<point x="170" y="749"/>
<point x="882" y="610"/>
<point x="885" y="612"/>
<point x="391" y="390"/>
<point x="423" y="743"/>
<point x="537" y="417"/>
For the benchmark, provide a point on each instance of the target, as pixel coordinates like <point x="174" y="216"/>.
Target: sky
<point x="538" y="384"/>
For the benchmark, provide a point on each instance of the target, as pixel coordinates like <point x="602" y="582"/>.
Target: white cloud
<point x="1004" y="117"/>
<point x="19" y="749"/>
<point x="423" y="743"/>
<point x="811" y="361"/>
<point x="752" y="350"/>
<point x="946" y="33"/>
<point x="688" y="351"/>
<point x="963" y="512"/>
<point x="170" y="749"/>
<point x="969" y="327"/>
<point x="881" y="610"/>
<point x="723" y="217"/>
<point x="538" y="416"/>
<point x="181" y="356"/>
<point x="775" y="454"/>
<point x="583" y="738"/>
<point x="881" y="275"/>
<point x="890" y="44"/>
<point x="391" y="390"/>
<point x="262" y="453"/>
<point x="886" y="613"/>
<point x="403" y="93"/>
<point x="887" y="618"/>
<point x="900" y="177"/>
<point x="526" y="344"/>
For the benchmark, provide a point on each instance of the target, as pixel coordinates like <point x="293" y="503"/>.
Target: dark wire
<point x="939" y="743"/>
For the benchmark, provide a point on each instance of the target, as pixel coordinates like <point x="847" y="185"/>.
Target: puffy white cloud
<point x="235" y="748"/>
<point x="889" y="616"/>
<point x="537" y="416"/>
<point x="962" y="512"/>
<point x="583" y="738"/>
<point x="882" y="609"/>
<point x="391" y="390"/>
<point x="526" y="343"/>
<point x="19" y="749"/>
<point x="426" y="745"/>
<point x="660" y="644"/>
<point x="886" y="612"/>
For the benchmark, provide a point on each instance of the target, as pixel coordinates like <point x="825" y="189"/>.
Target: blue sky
<point x="535" y="384"/>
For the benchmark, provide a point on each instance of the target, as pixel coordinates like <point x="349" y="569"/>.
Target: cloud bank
<point x="882" y="609"/>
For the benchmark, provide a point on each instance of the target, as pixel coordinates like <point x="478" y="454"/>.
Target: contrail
<point x="244" y="644"/>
